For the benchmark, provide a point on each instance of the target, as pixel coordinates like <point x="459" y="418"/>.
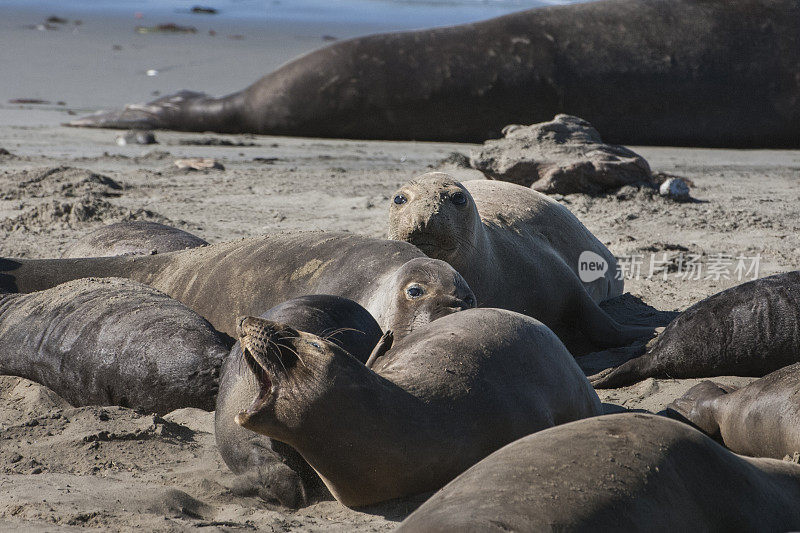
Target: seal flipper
<point x="383" y="346"/>
<point x="182" y="111"/>
<point x="696" y="407"/>
<point x="627" y="373"/>
<point x="603" y="330"/>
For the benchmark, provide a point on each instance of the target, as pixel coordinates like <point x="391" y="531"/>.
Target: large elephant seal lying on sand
<point x="761" y="419"/>
<point x="625" y="472"/>
<point x="394" y="281"/>
<point x="684" y="72"/>
<point x="517" y="249"/>
<point x="132" y="238"/>
<point x="438" y="401"/>
<point x="112" y="342"/>
<point x="747" y="330"/>
<point x="271" y="468"/>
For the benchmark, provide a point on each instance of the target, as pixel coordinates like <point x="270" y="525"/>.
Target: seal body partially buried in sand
<point x="517" y="249"/>
<point x="679" y="72"/>
<point x="132" y="238"/>
<point x="761" y="419"/>
<point x="112" y="342"/>
<point x="394" y="281"/>
<point x="624" y="472"/>
<point x="438" y="401"/>
<point x="747" y="330"/>
<point x="272" y="469"/>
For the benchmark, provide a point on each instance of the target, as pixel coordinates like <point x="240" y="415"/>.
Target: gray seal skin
<point x="132" y="238"/>
<point x="272" y="469"/>
<point x="622" y="472"/>
<point x="438" y="401"/>
<point x="112" y="342"/>
<point x="394" y="281"/>
<point x="683" y="72"/>
<point x="761" y="419"/>
<point x="748" y="330"/>
<point x="517" y="249"/>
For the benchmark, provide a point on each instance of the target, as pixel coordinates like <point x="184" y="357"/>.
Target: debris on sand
<point x="136" y="137"/>
<point x="676" y="189"/>
<point x="202" y="10"/>
<point x="214" y="141"/>
<point x="169" y="27"/>
<point x="37" y="101"/>
<point x="563" y="156"/>
<point x="199" y="163"/>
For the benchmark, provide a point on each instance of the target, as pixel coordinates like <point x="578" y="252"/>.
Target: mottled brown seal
<point x="132" y="238"/>
<point x="761" y="419"/>
<point x="112" y="342"/>
<point x="438" y="401"/>
<point x="624" y="472"/>
<point x="394" y="281"/>
<point x="517" y="249"/>
<point x="747" y="330"/>
<point x="683" y="72"/>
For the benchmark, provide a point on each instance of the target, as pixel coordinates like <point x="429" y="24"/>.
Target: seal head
<point x="438" y="215"/>
<point x="421" y="291"/>
<point x="289" y="366"/>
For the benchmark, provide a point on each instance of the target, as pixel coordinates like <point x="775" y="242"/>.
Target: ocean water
<point x="406" y="13"/>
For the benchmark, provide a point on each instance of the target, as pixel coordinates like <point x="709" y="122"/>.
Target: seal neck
<point x="375" y="441"/>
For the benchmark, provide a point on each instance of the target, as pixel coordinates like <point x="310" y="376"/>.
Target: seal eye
<point x="458" y="198"/>
<point x="415" y="291"/>
<point x="315" y="345"/>
<point x="400" y="199"/>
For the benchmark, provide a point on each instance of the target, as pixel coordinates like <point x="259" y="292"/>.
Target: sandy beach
<point x="67" y="468"/>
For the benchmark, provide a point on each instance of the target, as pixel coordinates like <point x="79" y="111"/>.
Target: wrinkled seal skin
<point x="132" y="238"/>
<point x="438" y="401"/>
<point x="273" y="469"/>
<point x="748" y="330"/>
<point x="517" y="249"/>
<point x="249" y="276"/>
<point x="761" y="419"/>
<point x="679" y="72"/>
<point x="623" y="472"/>
<point x="112" y="342"/>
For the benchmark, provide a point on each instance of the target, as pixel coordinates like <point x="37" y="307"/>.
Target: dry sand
<point x="110" y="467"/>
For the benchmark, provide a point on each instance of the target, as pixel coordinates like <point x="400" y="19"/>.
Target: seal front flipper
<point x="383" y="346"/>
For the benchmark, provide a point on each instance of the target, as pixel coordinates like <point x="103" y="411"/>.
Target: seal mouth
<point x="265" y="386"/>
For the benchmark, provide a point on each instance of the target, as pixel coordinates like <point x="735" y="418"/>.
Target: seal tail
<point x="695" y="407"/>
<point x="183" y="111"/>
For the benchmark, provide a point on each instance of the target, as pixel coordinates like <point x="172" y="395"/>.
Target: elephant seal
<point x="684" y="72"/>
<point x="761" y="419"/>
<point x="271" y="468"/>
<point x="748" y="330"/>
<point x="112" y="342"/>
<point x="438" y="401"/>
<point x="394" y="281"/>
<point x="517" y="249"/>
<point x="132" y="238"/>
<point x="622" y="472"/>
